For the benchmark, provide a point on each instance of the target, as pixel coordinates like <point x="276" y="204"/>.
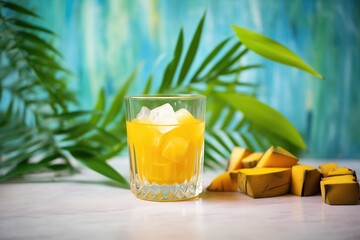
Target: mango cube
<point x="340" y="190"/>
<point x="305" y="180"/>
<point x="236" y="156"/>
<point x="225" y="182"/>
<point x="341" y="171"/>
<point x="175" y="149"/>
<point x="277" y="157"/>
<point x="325" y="168"/>
<point x="251" y="160"/>
<point x="264" y="182"/>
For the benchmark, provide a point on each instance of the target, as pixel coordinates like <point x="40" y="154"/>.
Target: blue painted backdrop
<point x="103" y="41"/>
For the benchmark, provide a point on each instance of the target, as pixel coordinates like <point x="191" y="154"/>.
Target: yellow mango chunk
<point x="325" y="168"/>
<point x="264" y="182"/>
<point x="277" y="157"/>
<point x="339" y="178"/>
<point x="341" y="171"/>
<point x="305" y="180"/>
<point x="236" y="156"/>
<point x="340" y="190"/>
<point x="225" y="182"/>
<point x="185" y="117"/>
<point x="175" y="149"/>
<point x="251" y="160"/>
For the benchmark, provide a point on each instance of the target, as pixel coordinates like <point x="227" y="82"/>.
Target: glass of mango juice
<point x="165" y="136"/>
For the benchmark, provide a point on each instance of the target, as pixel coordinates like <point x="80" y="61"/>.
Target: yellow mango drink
<point x="167" y="157"/>
<point x="166" y="153"/>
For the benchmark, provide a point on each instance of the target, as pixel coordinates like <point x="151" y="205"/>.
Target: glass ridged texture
<point x="166" y="156"/>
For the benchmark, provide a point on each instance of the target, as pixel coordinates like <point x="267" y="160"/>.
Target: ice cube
<point x="144" y="114"/>
<point x="164" y="115"/>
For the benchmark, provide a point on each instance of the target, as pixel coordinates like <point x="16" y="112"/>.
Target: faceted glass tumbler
<point x="165" y="136"/>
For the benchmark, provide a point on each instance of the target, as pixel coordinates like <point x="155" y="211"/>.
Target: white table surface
<point x="78" y="208"/>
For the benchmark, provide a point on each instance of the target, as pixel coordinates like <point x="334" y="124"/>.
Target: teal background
<point x="104" y="41"/>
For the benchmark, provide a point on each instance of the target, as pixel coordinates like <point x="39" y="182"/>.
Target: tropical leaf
<point x="25" y="168"/>
<point x="38" y="41"/>
<point x="215" y="70"/>
<point x="99" y="107"/>
<point x="168" y="78"/>
<point x="209" y="58"/>
<point x="271" y="126"/>
<point x="148" y="85"/>
<point x="191" y="53"/>
<point x="102" y="167"/>
<point x="29" y="26"/>
<point x="272" y="50"/>
<point x="264" y="116"/>
<point x="116" y="104"/>
<point x="37" y="127"/>
<point x="18" y="8"/>
<point x="68" y="115"/>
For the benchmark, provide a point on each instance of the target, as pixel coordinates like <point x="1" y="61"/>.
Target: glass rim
<point x="166" y="96"/>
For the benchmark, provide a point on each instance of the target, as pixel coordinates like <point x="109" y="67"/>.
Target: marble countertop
<point x="87" y="206"/>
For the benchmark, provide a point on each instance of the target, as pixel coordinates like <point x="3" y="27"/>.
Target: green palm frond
<point x="39" y="130"/>
<point x="228" y="123"/>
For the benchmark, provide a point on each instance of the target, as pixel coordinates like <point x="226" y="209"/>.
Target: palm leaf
<point x="116" y="104"/>
<point x="105" y="169"/>
<point x="18" y="8"/>
<point x="29" y="26"/>
<point x="191" y="53"/>
<point x="99" y="107"/>
<point x="74" y="131"/>
<point x="214" y="72"/>
<point x="89" y="158"/>
<point x="37" y="41"/>
<point x="26" y="168"/>
<point x="169" y="73"/>
<point x="264" y="116"/>
<point x="148" y="85"/>
<point x="37" y="120"/>
<point x="5" y="72"/>
<point x="24" y="156"/>
<point x="209" y="58"/>
<point x="272" y="50"/>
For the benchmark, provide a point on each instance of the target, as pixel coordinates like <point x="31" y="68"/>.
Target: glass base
<point x="176" y="192"/>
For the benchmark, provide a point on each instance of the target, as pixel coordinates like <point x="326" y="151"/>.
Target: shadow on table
<point x="221" y="196"/>
<point x="107" y="183"/>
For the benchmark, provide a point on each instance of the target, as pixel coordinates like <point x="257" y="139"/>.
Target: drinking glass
<point x="165" y="136"/>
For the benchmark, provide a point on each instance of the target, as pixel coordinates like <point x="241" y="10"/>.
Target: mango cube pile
<point x="277" y="172"/>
